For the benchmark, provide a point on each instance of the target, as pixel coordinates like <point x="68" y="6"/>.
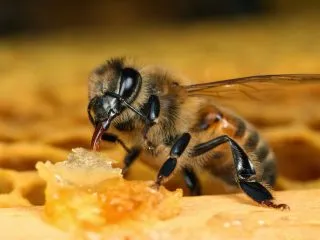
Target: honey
<point x="86" y="192"/>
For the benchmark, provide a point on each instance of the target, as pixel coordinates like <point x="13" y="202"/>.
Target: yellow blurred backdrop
<point x="48" y="48"/>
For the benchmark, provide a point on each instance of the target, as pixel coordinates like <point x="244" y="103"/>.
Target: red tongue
<point x="96" y="137"/>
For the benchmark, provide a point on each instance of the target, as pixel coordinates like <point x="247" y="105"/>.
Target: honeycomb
<point x="43" y="93"/>
<point x="86" y="193"/>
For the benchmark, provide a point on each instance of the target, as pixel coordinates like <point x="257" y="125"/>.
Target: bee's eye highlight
<point x="129" y="82"/>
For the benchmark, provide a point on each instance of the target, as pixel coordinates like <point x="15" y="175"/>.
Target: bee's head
<point x="112" y="88"/>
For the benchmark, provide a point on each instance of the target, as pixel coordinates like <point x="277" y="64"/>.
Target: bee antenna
<point x="117" y="96"/>
<point x="137" y="112"/>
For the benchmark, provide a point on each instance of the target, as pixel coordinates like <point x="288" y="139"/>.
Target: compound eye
<point x="129" y="82"/>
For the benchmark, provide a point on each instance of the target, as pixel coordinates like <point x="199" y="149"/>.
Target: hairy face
<point x="105" y="77"/>
<point x="112" y="88"/>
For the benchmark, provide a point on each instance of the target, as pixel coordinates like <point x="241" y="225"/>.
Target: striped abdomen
<point x="213" y="123"/>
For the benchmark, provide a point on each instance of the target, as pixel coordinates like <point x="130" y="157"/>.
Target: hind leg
<point x="245" y="172"/>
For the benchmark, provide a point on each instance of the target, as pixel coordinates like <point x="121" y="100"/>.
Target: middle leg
<point x="170" y="164"/>
<point x="192" y="181"/>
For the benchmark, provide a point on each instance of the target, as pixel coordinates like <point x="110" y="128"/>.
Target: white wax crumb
<point x="82" y="168"/>
<point x="82" y="158"/>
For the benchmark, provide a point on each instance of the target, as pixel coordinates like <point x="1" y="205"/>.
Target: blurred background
<point x="48" y="48"/>
<point x="44" y="16"/>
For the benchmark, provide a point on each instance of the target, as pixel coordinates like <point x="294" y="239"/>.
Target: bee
<point x="147" y="109"/>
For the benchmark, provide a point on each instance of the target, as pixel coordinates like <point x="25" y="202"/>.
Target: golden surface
<point x="43" y="92"/>
<point x="206" y="217"/>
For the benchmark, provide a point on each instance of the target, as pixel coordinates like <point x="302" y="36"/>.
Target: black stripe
<point x="241" y="127"/>
<point x="269" y="172"/>
<point x="252" y="141"/>
<point x="262" y="152"/>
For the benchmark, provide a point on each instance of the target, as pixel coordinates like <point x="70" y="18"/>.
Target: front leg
<point x="131" y="155"/>
<point x="245" y="172"/>
<point x="170" y="164"/>
<point x="109" y="137"/>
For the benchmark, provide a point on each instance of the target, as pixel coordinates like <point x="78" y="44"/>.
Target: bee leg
<point x="132" y="153"/>
<point x="192" y="181"/>
<point x="153" y="111"/>
<point x="109" y="137"/>
<point x="245" y="172"/>
<point x="170" y="164"/>
<point x="131" y="156"/>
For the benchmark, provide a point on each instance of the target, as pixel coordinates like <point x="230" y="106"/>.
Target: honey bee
<point x="152" y="111"/>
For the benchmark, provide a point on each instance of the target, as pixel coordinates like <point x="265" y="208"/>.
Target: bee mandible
<point x="146" y="109"/>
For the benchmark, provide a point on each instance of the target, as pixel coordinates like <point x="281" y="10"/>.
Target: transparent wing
<point x="259" y="87"/>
